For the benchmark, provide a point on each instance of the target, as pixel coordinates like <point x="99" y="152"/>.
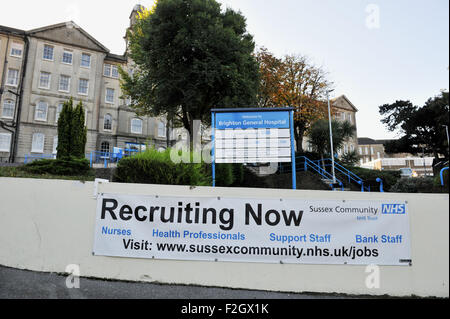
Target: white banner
<point x="297" y="231"/>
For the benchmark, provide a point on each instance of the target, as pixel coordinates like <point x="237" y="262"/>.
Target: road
<point x="20" y="284"/>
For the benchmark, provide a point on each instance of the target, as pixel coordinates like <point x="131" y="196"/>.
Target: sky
<point x="375" y="51"/>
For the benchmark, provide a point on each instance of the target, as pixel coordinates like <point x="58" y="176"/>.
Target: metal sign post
<point x="253" y="135"/>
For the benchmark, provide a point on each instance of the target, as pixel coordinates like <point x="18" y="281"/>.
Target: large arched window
<point x="107" y="122"/>
<point x="136" y="126"/>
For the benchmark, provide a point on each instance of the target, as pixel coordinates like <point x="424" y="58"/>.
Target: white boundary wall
<point x="46" y="225"/>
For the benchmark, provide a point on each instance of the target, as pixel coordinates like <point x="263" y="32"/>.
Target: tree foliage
<point x="189" y="57"/>
<point x="293" y="81"/>
<point x="422" y="128"/>
<point x="71" y="131"/>
<point x="319" y="135"/>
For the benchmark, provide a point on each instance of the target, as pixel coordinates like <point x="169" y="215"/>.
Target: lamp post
<point x="331" y="137"/>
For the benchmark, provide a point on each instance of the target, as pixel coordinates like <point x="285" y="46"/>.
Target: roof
<point x="5" y="29"/>
<point x="116" y="58"/>
<point x="369" y="141"/>
<point x="68" y="24"/>
<point x="346" y="100"/>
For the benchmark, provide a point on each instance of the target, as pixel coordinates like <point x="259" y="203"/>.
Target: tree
<point x="190" y="57"/>
<point x="293" y="81"/>
<point x="422" y="128"/>
<point x="319" y="135"/>
<point x="71" y="131"/>
<point x="79" y="132"/>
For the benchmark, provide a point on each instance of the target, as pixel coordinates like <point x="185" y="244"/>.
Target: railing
<point x="442" y="175"/>
<point x="106" y="158"/>
<point x="352" y="177"/>
<point x="304" y="163"/>
<point x="32" y="157"/>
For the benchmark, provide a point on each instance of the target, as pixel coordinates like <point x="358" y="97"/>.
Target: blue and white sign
<point x="253" y="136"/>
<point x="252" y="120"/>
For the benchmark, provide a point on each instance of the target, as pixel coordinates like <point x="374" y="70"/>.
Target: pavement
<point x="21" y="284"/>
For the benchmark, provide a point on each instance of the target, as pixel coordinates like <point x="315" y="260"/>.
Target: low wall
<point x="46" y="225"/>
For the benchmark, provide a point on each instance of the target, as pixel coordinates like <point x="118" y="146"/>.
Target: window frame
<point x="13" y="103"/>
<point x="8" y="78"/>
<point x="164" y="125"/>
<point x="58" y="111"/>
<point x="14" y="46"/>
<point x="40" y="150"/>
<point x="110" y="122"/>
<point x="90" y="60"/>
<point x="87" y="87"/>
<point x="49" y="80"/>
<point x="71" y="57"/>
<point x="9" y="137"/>
<point x="113" y="96"/>
<point x="132" y="126"/>
<point x="68" y="83"/>
<point x="53" y="53"/>
<point x="36" y="111"/>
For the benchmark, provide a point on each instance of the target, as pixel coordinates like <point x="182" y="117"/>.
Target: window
<point x="5" y="142"/>
<point x="8" y="109"/>
<point x="107" y="70"/>
<point x="115" y="71"/>
<point x="41" y="111"/>
<point x="16" y="49"/>
<point x="360" y="151"/>
<point x="64" y="83"/>
<point x="109" y="96"/>
<point x="83" y="87"/>
<point x="37" y="145"/>
<point x="58" y="111"/>
<point x="371" y="151"/>
<point x="367" y="150"/>
<point x="67" y="57"/>
<point x="136" y="126"/>
<point x="55" y="145"/>
<point x="13" y="77"/>
<point x="48" y="53"/>
<point x="349" y="118"/>
<point x="161" y="129"/>
<point x="110" y="70"/>
<point x="104" y="147"/>
<point x="44" y="80"/>
<point x="85" y="60"/>
<point x="107" y="122"/>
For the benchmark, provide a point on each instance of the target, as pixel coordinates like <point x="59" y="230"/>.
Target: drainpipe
<point x="19" y="102"/>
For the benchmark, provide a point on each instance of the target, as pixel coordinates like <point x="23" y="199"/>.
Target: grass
<point x="18" y="172"/>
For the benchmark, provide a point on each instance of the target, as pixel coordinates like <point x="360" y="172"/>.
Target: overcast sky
<point x="375" y="51"/>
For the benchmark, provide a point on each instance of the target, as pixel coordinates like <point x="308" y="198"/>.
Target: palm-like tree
<point x="319" y="135"/>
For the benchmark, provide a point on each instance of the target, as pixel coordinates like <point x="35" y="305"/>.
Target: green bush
<point x="369" y="176"/>
<point x="62" y="167"/>
<point x="154" y="167"/>
<point x="418" y="185"/>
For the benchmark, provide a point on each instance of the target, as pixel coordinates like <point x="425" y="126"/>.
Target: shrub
<point x="369" y="176"/>
<point x="417" y="185"/>
<point x="154" y="167"/>
<point x="64" y="167"/>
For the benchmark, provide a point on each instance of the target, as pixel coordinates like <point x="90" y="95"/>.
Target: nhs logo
<point x="398" y="209"/>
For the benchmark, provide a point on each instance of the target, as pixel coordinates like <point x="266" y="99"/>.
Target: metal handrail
<point x="319" y="170"/>
<point x="351" y="176"/>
